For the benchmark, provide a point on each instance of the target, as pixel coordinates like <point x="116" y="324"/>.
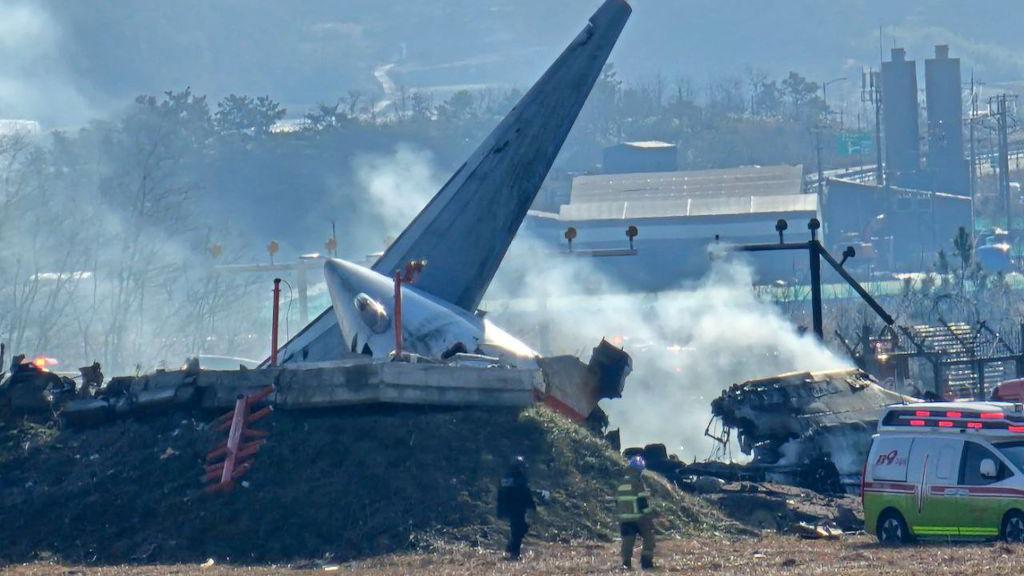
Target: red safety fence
<point x="232" y="459"/>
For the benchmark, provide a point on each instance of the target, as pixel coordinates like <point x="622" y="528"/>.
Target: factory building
<point x="902" y="225"/>
<point x="678" y="216"/>
<point x="897" y="229"/>
<point x="947" y="167"/>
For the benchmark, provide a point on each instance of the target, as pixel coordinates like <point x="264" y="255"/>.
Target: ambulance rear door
<point x="886" y="483"/>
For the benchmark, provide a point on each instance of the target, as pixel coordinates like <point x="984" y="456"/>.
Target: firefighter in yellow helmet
<point x="633" y="509"/>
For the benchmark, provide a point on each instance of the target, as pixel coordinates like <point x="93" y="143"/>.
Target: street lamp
<point x="817" y="132"/>
<point x="824" y="92"/>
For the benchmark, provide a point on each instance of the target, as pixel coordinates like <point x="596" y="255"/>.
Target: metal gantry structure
<point x="816" y="253"/>
<point x="964" y="358"/>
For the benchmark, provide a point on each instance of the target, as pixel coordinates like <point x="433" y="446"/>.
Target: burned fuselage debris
<point x="795" y="420"/>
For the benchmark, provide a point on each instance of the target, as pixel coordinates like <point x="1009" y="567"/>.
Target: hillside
<point x="342" y="485"/>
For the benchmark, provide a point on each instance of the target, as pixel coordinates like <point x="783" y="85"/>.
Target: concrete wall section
<point x="395" y="383"/>
<point x="457" y="386"/>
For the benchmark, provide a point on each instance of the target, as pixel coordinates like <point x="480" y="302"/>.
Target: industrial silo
<point x="899" y="108"/>
<point x="946" y="163"/>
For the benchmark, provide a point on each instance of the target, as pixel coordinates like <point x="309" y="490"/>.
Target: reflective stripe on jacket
<point x="631" y="501"/>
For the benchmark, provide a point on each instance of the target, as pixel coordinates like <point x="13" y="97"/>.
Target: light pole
<point x="817" y="134"/>
<point x="824" y="92"/>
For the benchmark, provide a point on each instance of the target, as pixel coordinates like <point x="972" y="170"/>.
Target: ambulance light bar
<point x="955" y="419"/>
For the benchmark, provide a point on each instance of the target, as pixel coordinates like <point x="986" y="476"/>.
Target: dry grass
<point x="768" y="556"/>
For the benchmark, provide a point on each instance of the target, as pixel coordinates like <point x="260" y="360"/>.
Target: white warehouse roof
<point x="720" y="206"/>
<point x="747" y="181"/>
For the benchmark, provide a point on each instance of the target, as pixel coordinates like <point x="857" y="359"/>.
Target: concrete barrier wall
<point x="398" y="383"/>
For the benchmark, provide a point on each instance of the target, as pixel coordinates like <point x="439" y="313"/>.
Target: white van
<point x="947" y="470"/>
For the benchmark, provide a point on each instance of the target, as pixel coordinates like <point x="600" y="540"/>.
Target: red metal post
<point x="398" y="314"/>
<point x="242" y="444"/>
<point x="234" y="437"/>
<point x="273" y="334"/>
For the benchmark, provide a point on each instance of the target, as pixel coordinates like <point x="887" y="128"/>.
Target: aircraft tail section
<point x="466" y="229"/>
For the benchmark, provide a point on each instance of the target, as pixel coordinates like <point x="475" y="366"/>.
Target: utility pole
<point x="817" y="135"/>
<point x="871" y="91"/>
<point x="821" y="174"/>
<point x="824" y="92"/>
<point x="1001" y="113"/>
<point x="974" y="158"/>
<point x="814" y="249"/>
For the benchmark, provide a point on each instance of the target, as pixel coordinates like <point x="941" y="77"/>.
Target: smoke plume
<point x="34" y="81"/>
<point x="396" y="187"/>
<point x="687" y="344"/>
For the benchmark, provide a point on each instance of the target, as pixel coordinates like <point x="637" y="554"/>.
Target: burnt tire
<point x="1013" y="528"/>
<point x="892" y="529"/>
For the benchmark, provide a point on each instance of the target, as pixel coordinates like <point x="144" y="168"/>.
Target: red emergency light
<point x="957" y="419"/>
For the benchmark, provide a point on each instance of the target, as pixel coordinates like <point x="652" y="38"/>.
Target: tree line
<point x="116" y="231"/>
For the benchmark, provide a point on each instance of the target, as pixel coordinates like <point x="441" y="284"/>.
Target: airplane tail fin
<point x="466" y="229"/>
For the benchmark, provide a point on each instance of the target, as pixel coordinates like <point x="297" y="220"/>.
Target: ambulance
<point x="946" y="470"/>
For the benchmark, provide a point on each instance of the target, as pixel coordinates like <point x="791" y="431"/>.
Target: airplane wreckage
<point x="436" y="347"/>
<point x="408" y="329"/>
<point x="806" y="428"/>
<point x="795" y="425"/>
<point x="814" y="429"/>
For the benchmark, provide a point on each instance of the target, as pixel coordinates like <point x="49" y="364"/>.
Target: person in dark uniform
<point x="514" y="499"/>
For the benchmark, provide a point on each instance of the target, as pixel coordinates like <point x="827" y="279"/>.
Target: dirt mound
<point x="345" y="484"/>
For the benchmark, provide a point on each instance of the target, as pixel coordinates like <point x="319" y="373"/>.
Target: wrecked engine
<point x="792" y="422"/>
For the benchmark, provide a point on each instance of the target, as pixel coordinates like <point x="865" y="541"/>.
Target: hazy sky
<point x="62" y="62"/>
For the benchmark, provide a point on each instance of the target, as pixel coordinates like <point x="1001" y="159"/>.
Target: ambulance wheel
<point x="892" y="529"/>
<point x="1013" y="527"/>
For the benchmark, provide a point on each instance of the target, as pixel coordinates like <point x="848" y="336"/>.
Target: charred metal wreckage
<point x="808" y="428"/>
<point x="798" y="425"/>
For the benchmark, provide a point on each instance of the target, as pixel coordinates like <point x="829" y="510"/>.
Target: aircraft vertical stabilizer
<point x="467" y="227"/>
<point x="465" y="230"/>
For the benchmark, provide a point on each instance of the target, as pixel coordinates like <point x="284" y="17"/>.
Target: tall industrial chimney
<point x="946" y="164"/>
<point x="899" y="107"/>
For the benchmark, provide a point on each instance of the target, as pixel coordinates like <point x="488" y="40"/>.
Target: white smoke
<point x="397" y="186"/>
<point x="703" y="340"/>
<point x="34" y="81"/>
<point x="687" y="344"/>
